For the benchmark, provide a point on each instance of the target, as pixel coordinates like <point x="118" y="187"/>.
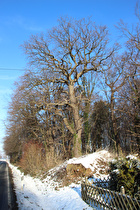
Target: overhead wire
<point x="12" y="69"/>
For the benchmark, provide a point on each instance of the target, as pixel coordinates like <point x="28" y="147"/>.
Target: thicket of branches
<point x="78" y="95"/>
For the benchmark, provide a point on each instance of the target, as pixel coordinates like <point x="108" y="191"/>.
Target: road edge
<point x="12" y="198"/>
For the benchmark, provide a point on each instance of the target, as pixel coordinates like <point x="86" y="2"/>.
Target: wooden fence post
<point x="122" y="190"/>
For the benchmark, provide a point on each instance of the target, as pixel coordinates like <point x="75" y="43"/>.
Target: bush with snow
<point x="125" y="172"/>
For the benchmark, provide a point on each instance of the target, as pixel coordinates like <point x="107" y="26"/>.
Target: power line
<point x="12" y="69"/>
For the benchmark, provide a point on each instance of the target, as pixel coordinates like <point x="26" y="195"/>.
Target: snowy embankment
<point x="46" y="194"/>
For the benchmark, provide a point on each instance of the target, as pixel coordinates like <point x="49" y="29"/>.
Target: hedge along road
<point x="7" y="197"/>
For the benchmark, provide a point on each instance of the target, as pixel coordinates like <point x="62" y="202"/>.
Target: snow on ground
<point x="36" y="194"/>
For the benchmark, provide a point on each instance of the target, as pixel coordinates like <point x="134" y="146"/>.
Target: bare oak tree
<point x="67" y="52"/>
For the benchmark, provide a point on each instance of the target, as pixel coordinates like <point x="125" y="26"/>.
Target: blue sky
<point x="21" y="18"/>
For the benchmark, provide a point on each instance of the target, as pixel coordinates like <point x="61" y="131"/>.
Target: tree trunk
<point x="77" y="121"/>
<point x="114" y="125"/>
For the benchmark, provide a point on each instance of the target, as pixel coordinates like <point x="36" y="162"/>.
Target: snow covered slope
<point x="46" y="194"/>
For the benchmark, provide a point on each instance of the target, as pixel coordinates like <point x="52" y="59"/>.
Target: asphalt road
<point x="4" y="182"/>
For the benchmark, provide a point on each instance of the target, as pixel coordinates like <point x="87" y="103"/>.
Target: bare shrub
<point x="51" y="159"/>
<point x="31" y="161"/>
<point x="36" y="160"/>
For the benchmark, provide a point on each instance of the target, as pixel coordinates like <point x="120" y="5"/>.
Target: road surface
<point x="3" y="185"/>
<point x="6" y="191"/>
